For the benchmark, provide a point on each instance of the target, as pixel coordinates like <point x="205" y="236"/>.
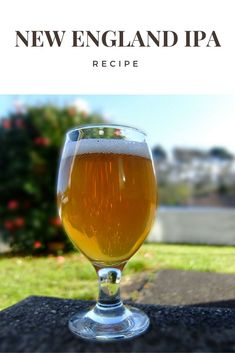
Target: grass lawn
<point x="72" y="276"/>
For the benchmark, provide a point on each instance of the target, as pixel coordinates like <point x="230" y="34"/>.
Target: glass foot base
<point x="107" y="324"/>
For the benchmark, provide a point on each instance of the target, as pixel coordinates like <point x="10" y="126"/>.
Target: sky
<point x="197" y="121"/>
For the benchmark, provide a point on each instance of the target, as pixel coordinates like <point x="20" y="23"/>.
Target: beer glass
<point x="107" y="199"/>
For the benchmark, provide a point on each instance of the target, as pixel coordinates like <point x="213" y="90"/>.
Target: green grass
<point x="74" y="277"/>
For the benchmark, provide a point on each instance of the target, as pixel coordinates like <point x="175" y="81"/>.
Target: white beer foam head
<point x="106" y="146"/>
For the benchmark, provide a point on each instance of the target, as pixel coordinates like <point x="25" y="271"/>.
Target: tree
<point x="220" y="153"/>
<point x="29" y="154"/>
<point x="159" y="154"/>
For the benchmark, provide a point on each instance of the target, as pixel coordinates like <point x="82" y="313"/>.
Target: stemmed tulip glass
<point x="107" y="200"/>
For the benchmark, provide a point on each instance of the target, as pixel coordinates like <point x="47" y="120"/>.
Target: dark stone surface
<point x="174" y="287"/>
<point x="39" y="324"/>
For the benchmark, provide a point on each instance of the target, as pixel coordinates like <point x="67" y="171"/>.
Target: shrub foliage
<point x="29" y="155"/>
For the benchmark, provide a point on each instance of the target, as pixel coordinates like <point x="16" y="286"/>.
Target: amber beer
<point x="107" y="200"/>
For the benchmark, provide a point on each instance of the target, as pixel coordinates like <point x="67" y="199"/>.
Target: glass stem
<point x="109" y="287"/>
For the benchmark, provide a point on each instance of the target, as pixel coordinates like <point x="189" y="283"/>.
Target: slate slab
<point x="39" y="324"/>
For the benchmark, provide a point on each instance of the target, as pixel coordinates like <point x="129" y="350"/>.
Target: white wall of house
<point x="194" y="225"/>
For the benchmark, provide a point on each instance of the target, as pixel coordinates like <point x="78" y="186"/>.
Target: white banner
<point x="122" y="47"/>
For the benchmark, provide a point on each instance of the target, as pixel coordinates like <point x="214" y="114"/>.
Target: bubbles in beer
<point x="106" y="146"/>
<point x="107" y="197"/>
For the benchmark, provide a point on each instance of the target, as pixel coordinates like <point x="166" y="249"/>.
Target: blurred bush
<point x="195" y="176"/>
<point x="174" y="194"/>
<point x="30" y="146"/>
